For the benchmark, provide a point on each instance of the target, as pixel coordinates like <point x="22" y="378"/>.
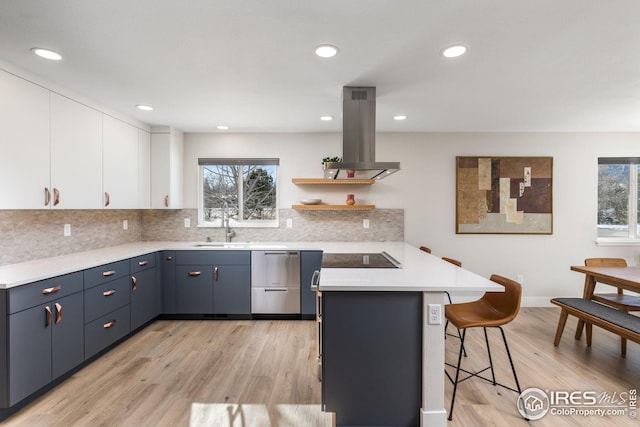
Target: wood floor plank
<point x="263" y="374"/>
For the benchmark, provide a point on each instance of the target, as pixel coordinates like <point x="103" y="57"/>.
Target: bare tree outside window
<point x="618" y="184"/>
<point x="239" y="192"/>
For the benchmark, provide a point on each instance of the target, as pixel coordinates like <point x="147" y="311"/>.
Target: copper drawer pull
<point x="134" y="283"/>
<point x="215" y="274"/>
<point x="49" y="316"/>
<point x="109" y="292"/>
<point x="166" y="201"/>
<point x="56" y="197"/>
<point x="194" y="273"/>
<point x="107" y="199"/>
<point x="51" y="290"/>
<point x="141" y="263"/>
<point x="47" y="196"/>
<point x="58" y="313"/>
<point x="109" y="273"/>
<point x="109" y="324"/>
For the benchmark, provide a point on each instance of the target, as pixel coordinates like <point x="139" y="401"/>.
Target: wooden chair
<point x="619" y="300"/>
<point x="493" y="310"/>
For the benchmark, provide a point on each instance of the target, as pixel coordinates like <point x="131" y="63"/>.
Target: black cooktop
<point x="359" y="260"/>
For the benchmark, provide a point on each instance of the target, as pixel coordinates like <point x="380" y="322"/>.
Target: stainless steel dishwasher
<point x="275" y="282"/>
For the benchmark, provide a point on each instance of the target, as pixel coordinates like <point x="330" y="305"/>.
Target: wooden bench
<point x="592" y="313"/>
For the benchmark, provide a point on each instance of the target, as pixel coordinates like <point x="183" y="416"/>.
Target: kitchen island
<point x="383" y="360"/>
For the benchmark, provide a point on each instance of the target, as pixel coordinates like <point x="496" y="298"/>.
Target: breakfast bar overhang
<point x="421" y="282"/>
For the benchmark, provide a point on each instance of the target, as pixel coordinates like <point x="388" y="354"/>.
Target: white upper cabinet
<point x="24" y="143"/>
<point x="144" y="169"/>
<point x="166" y="168"/>
<point x="120" y="163"/>
<point x="76" y="154"/>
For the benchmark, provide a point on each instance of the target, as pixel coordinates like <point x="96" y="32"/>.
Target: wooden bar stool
<point x="493" y="310"/>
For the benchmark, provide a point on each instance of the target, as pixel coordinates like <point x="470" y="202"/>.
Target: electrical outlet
<point x="520" y="279"/>
<point x="187" y="222"/>
<point x="435" y="314"/>
<point x="67" y="230"/>
<point x="365" y="223"/>
<point x="289" y="222"/>
<point x="125" y="224"/>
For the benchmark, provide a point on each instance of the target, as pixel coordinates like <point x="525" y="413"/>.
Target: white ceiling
<point x="532" y="65"/>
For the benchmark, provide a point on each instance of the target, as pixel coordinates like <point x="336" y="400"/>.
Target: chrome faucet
<point x="228" y="232"/>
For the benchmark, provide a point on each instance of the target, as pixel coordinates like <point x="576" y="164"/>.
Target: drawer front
<point x="142" y="262"/>
<point x="44" y="291"/>
<point x="106" y="330"/>
<point x="105" y="298"/>
<point x="105" y="273"/>
<point x="213" y="257"/>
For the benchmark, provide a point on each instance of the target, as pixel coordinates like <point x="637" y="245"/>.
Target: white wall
<point x="425" y="188"/>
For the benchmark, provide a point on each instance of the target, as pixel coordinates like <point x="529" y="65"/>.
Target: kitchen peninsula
<point x="400" y="293"/>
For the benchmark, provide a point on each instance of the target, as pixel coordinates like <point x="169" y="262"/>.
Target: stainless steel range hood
<point x="359" y="139"/>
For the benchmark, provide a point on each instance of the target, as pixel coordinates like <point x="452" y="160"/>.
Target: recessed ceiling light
<point x="454" y="51"/>
<point x="326" y="118"/>
<point x="46" y="53"/>
<point x="222" y="127"/>
<point x="144" y="107"/>
<point x="326" y="51"/>
<point x="400" y="117"/>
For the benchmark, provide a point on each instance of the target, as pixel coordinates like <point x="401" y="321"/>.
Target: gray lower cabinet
<point x="213" y="282"/>
<point x="372" y="357"/>
<point x="168" y="273"/>
<point x="144" y="290"/>
<point x="43" y="336"/>
<point x="106" y="294"/>
<point x="310" y="261"/>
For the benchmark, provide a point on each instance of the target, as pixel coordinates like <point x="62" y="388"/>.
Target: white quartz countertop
<point x="420" y="271"/>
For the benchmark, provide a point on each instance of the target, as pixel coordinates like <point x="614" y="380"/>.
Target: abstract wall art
<point x="504" y="195"/>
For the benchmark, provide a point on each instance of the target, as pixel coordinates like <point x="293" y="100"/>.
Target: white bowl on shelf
<point x="310" y="201"/>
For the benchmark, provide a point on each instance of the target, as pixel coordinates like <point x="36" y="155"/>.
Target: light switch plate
<point x="365" y="223"/>
<point x="125" y="224"/>
<point x="187" y="222"/>
<point x="67" y="230"/>
<point x="435" y="314"/>
<point x="289" y="222"/>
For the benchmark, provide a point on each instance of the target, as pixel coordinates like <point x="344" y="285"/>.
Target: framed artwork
<point x="504" y="195"/>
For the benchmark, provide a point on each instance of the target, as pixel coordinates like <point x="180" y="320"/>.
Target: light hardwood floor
<point x="262" y="373"/>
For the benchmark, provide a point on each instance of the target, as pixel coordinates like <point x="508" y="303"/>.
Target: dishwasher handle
<point x="315" y="280"/>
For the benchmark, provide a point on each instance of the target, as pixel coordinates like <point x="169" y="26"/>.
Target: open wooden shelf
<point x="333" y="207"/>
<point x="323" y="181"/>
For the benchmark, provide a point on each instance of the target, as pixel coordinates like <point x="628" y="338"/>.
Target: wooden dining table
<point x="621" y="277"/>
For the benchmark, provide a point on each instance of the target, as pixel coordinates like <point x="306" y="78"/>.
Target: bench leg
<point x="589" y="328"/>
<point x="623" y="346"/>
<point x="561" y="322"/>
<point x="579" y="329"/>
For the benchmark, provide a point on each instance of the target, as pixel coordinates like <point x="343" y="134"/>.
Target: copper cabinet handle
<point x="194" y="273"/>
<point x="109" y="292"/>
<point x="52" y="290"/>
<point x="49" y="316"/>
<point x="56" y="197"/>
<point x="169" y="258"/>
<point x="47" y="196"/>
<point x="109" y="324"/>
<point x="166" y="201"/>
<point x="108" y="273"/>
<point x="134" y="283"/>
<point x="107" y="199"/>
<point x="58" y="312"/>
<point x="215" y="274"/>
<point x="141" y="263"/>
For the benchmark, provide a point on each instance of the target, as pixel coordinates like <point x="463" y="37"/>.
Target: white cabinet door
<point x="144" y="169"/>
<point x="166" y="169"/>
<point x="76" y="154"/>
<point x="120" y="153"/>
<point x="24" y="143"/>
